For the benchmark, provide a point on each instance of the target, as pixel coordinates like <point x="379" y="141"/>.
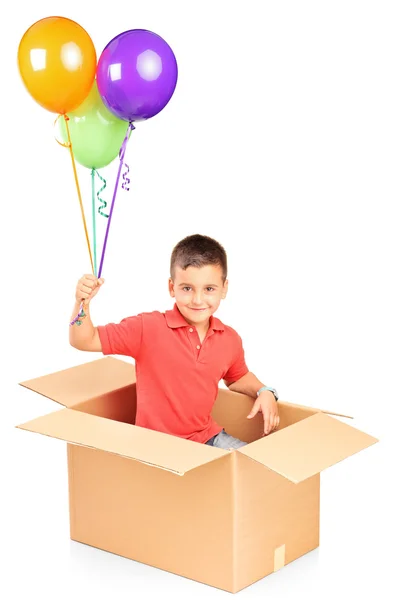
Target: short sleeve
<point x="123" y="338"/>
<point x="238" y="367"/>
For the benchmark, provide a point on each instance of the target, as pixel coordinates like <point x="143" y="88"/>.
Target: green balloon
<point x="96" y="134"/>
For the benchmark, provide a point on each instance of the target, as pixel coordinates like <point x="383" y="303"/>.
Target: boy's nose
<point x="197" y="299"/>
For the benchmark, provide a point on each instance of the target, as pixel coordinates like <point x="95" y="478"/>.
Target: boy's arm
<point x="265" y="402"/>
<point x="84" y="336"/>
<point x="248" y="384"/>
<point x="238" y="378"/>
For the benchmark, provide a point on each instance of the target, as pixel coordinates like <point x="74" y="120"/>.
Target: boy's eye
<point x="186" y="288"/>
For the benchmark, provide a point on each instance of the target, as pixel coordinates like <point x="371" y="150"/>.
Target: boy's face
<point x="198" y="292"/>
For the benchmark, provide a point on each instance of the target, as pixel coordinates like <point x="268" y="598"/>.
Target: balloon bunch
<point x="97" y="103"/>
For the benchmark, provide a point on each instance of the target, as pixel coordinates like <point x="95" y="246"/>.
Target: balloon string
<point x="79" y="191"/>
<point x="56" y="138"/>
<point x="126" y="182"/>
<point x="102" y="202"/>
<point x="80" y="316"/>
<point x="92" y="173"/>
<point x="81" y="313"/>
<point x="131" y="127"/>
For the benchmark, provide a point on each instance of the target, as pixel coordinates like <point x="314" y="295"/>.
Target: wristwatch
<point x="269" y="389"/>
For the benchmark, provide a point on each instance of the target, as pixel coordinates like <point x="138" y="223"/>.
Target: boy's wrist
<point x="266" y="388"/>
<point x="79" y="302"/>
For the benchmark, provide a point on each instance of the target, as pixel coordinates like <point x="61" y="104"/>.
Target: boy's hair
<point x="198" y="251"/>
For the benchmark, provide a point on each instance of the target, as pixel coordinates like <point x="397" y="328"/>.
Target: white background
<point x="282" y="140"/>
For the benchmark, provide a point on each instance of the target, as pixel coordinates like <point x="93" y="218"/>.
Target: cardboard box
<point x="224" y="518"/>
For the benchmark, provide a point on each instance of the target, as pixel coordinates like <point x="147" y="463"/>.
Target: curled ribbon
<point x="126" y="180"/>
<point x="131" y="127"/>
<point x="64" y="145"/>
<point x="79" y="317"/>
<point x="102" y="202"/>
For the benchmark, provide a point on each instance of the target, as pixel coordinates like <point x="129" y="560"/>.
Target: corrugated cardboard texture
<point x="80" y="383"/>
<point x="271" y="512"/>
<point x="308" y="447"/>
<point x="145" y="445"/>
<point x="179" y="524"/>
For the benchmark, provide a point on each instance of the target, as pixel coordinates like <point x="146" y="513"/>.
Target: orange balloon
<point x="57" y="62"/>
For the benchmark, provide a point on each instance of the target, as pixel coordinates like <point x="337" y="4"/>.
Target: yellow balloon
<point x="57" y="63"/>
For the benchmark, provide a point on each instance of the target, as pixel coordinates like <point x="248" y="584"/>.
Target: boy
<point x="182" y="354"/>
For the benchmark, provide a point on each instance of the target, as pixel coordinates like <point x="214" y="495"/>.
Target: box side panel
<point x="276" y="521"/>
<point x="71" y="490"/>
<point x="180" y="524"/>
<point x="118" y="405"/>
<point x="231" y="409"/>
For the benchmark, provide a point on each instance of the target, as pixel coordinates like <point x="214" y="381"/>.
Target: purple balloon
<point x="136" y="75"/>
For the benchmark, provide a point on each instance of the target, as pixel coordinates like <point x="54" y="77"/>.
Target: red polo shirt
<point x="177" y="376"/>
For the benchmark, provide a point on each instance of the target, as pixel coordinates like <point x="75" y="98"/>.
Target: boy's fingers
<point x="85" y="289"/>
<point x="267" y="425"/>
<point x="253" y="411"/>
<point x="87" y="283"/>
<point x="268" y="422"/>
<point x="90" y="277"/>
<point x="86" y="280"/>
<point x="272" y="422"/>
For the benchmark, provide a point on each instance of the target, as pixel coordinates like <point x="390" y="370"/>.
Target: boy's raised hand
<point x="87" y="288"/>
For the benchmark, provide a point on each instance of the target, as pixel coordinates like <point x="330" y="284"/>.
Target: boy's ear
<point x="171" y="288"/>
<point x="225" y="289"/>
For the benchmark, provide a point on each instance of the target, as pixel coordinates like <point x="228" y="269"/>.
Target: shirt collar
<point x="175" y="319"/>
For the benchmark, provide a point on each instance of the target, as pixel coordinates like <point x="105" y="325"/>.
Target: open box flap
<point x="308" y="447"/>
<point x="309" y="408"/>
<point x="77" y="384"/>
<point x="145" y="445"/>
<point x="335" y="414"/>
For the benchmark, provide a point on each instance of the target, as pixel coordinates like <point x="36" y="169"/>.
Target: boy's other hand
<point x="266" y="404"/>
<point x="87" y="288"/>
